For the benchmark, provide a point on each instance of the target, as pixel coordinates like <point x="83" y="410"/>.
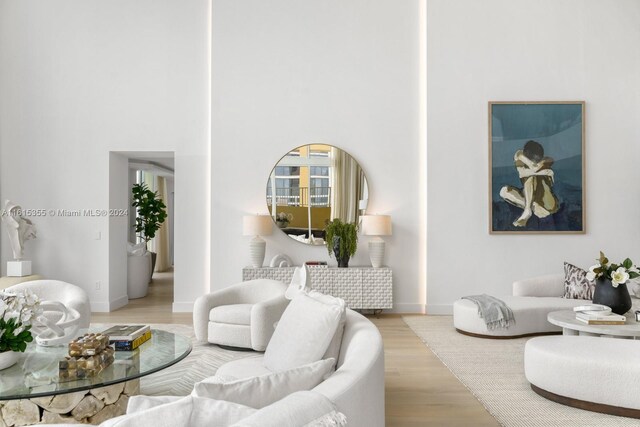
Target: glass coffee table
<point x="31" y="387"/>
<point x="566" y="319"/>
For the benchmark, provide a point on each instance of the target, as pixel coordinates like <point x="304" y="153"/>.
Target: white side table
<point x="566" y="319"/>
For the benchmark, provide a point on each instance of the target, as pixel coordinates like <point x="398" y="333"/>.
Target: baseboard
<point x="118" y="303"/>
<point x="182" y="307"/>
<point x="406" y="308"/>
<point x="440" y="309"/>
<point x="99" y="306"/>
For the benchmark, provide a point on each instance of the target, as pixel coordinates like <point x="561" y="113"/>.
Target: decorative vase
<point x="344" y="261"/>
<point x="282" y="224"/>
<point x="617" y="298"/>
<point x="8" y="359"/>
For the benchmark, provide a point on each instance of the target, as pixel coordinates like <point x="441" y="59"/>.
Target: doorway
<point x="148" y="291"/>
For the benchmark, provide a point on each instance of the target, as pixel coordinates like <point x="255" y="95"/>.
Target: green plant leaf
<point x="627" y="263"/>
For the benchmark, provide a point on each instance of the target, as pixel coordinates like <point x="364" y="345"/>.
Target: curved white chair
<point x="70" y="295"/>
<point x="242" y="315"/>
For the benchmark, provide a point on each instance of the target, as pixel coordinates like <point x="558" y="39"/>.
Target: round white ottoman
<point x="530" y="314"/>
<point x="592" y="373"/>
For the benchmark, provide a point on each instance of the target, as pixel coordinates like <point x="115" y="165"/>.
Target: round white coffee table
<point x="566" y="319"/>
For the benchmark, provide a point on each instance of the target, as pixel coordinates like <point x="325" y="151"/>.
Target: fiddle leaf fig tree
<point x="348" y="238"/>
<point x="151" y="211"/>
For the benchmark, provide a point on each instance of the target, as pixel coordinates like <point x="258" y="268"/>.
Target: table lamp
<point x="376" y="225"/>
<point x="257" y="225"/>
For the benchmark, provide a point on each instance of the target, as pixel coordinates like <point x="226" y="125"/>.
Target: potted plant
<point x="17" y="311"/>
<point x="342" y="239"/>
<point x="151" y="213"/>
<point x="611" y="288"/>
<point x="283" y="219"/>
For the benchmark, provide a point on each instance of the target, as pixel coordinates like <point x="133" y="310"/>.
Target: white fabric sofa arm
<point x="551" y="285"/>
<point x="203" y="306"/>
<point x="263" y="317"/>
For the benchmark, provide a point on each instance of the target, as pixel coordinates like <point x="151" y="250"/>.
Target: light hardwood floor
<point x="420" y="390"/>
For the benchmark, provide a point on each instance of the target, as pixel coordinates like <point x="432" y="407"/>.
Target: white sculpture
<point x="281" y="260"/>
<point x="19" y="229"/>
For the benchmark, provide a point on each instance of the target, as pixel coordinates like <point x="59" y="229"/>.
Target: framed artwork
<point x="536" y="167"/>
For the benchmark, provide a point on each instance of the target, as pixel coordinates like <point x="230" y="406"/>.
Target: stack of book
<point x="128" y="337"/>
<point x="601" y="319"/>
<point x="316" y="264"/>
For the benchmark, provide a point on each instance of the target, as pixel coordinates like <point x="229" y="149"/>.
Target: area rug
<point x="493" y="372"/>
<point x="178" y="380"/>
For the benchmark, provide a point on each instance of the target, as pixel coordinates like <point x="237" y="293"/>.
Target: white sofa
<point x="531" y="302"/>
<point x="594" y="373"/>
<point x="356" y="387"/>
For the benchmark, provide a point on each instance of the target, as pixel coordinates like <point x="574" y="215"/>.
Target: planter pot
<point x="616" y="298"/>
<point x="282" y="224"/>
<point x="8" y="359"/>
<point x="344" y="261"/>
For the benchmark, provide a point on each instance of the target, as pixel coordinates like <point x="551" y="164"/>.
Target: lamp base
<point x="257" y="248"/>
<point x="376" y="252"/>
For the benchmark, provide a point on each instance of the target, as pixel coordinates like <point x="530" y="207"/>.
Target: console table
<point x="362" y="288"/>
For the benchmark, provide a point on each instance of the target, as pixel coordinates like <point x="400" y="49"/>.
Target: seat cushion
<point x="233" y="314"/>
<point x="530" y="314"/>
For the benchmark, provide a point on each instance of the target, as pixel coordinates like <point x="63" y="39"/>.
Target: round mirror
<point x="312" y="185"/>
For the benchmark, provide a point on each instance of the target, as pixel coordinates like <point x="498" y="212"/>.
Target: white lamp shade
<point x="257" y="225"/>
<point x="376" y="225"/>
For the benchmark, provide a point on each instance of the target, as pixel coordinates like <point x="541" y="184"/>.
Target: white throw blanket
<point x="494" y="312"/>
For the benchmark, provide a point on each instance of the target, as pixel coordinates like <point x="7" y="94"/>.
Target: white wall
<point x="80" y="79"/>
<point x="493" y="50"/>
<point x="290" y="72"/>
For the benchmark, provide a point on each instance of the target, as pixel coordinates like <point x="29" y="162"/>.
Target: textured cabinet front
<point x="359" y="287"/>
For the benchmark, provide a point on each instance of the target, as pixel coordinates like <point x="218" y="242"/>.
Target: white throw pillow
<point x="304" y="408"/>
<point x="261" y="391"/>
<point x="189" y="411"/>
<point x="303" y="334"/>
<point x="333" y="351"/>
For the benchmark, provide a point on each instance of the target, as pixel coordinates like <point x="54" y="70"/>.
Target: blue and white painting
<point x="537" y="167"/>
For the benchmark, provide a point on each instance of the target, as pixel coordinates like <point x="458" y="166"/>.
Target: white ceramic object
<point x="18" y="228"/>
<point x="376" y="252"/>
<point x="59" y="332"/>
<point x="257" y="248"/>
<point x="138" y="273"/>
<point x="281" y="260"/>
<point x="8" y="359"/>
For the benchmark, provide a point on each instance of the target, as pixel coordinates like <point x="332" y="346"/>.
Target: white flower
<point x="619" y="277"/>
<point x="591" y="275"/>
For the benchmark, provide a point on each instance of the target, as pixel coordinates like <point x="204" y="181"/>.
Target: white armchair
<point x="241" y="315"/>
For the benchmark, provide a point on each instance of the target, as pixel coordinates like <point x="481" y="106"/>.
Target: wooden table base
<point x="87" y="407"/>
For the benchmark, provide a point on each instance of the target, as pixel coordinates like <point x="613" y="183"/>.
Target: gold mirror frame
<point x="312" y="184"/>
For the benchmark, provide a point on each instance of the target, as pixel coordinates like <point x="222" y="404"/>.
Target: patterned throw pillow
<point x="576" y="285"/>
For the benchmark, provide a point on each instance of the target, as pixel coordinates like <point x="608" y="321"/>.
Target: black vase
<point x="617" y="298"/>
<point x="344" y="261"/>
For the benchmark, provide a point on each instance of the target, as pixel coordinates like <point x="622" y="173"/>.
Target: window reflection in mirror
<point x="311" y="185"/>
